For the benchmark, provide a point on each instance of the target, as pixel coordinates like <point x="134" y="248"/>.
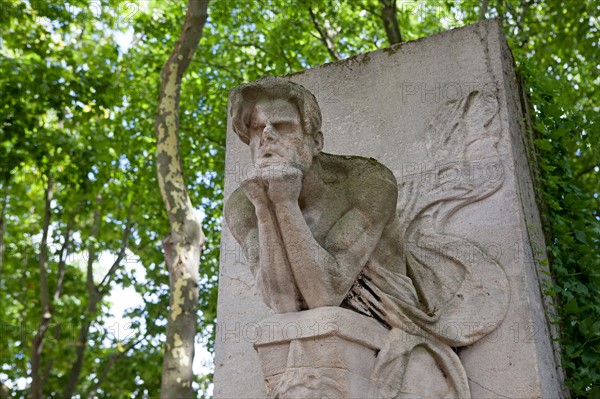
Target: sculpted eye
<point x="284" y="126"/>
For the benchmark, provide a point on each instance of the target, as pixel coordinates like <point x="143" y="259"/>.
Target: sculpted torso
<point x="310" y="221"/>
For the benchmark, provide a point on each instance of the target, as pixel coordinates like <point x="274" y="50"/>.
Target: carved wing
<point x="463" y="294"/>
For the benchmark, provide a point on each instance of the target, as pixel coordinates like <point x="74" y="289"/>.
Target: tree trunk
<point x="325" y="37"/>
<point x="4" y="391"/>
<point x="96" y="293"/>
<point x="93" y="300"/>
<point x="500" y="8"/>
<point x="483" y="9"/>
<point x="2" y="222"/>
<point x="390" y="21"/>
<point x="184" y="244"/>
<point x="37" y="346"/>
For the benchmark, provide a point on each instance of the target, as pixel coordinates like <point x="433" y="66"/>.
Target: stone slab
<point x="327" y="342"/>
<point x="378" y="105"/>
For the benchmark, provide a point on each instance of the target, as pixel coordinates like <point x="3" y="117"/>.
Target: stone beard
<point x="341" y="237"/>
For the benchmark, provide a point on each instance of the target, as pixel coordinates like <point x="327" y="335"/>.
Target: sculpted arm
<point x="255" y="230"/>
<point x="325" y="273"/>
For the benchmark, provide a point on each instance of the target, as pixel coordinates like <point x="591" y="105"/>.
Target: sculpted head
<point x="279" y="120"/>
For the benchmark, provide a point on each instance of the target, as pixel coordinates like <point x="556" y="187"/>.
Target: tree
<point x="77" y="109"/>
<point x="58" y="99"/>
<point x="183" y="245"/>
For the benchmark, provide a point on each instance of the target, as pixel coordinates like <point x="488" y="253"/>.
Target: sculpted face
<point x="277" y="136"/>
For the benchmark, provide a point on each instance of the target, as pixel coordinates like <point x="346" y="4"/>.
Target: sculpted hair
<point x="244" y="98"/>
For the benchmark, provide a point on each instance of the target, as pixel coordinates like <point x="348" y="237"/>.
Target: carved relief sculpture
<point x="335" y="239"/>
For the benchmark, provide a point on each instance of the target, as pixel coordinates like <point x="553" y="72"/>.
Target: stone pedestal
<point x="333" y="352"/>
<point x="327" y="352"/>
<point x="383" y="105"/>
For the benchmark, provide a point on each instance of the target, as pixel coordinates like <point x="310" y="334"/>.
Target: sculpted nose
<point x="269" y="133"/>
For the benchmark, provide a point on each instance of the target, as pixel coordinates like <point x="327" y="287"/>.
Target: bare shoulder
<point x="371" y="186"/>
<point x="239" y="214"/>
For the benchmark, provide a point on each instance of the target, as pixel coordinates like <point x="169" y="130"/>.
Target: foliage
<point x="77" y="113"/>
<point x="67" y="125"/>
<point x="573" y="225"/>
<point x="557" y="45"/>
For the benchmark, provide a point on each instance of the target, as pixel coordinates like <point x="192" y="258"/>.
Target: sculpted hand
<point x="283" y="182"/>
<point x="255" y="188"/>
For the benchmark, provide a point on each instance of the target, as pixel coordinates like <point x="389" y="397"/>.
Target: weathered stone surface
<point x="334" y="352"/>
<point x="335" y="238"/>
<point x="325" y="352"/>
<point x="395" y="100"/>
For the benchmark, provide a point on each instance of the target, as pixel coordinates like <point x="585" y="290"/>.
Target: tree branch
<point x="285" y="57"/>
<point x="47" y="370"/>
<point x="390" y="21"/>
<point x="37" y="344"/>
<point x="44" y="291"/>
<point x="325" y="38"/>
<point x="234" y="75"/>
<point x="2" y="222"/>
<point x="501" y="12"/>
<point x="371" y="9"/>
<point x="92" y="247"/>
<point x="115" y="357"/>
<point x="521" y="22"/>
<point x="585" y="171"/>
<point x="483" y="9"/>
<point x="63" y="253"/>
<point x="106" y="280"/>
<point x="94" y="297"/>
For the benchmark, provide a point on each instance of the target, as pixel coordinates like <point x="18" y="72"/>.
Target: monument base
<point x="325" y="352"/>
<point x="337" y="353"/>
<point x="390" y="105"/>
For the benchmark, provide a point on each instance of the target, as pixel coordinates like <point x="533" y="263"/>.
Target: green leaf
<point x="580" y="236"/>
<point x="543" y="144"/>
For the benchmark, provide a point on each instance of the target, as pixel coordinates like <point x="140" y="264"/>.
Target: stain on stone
<point x="392" y="49"/>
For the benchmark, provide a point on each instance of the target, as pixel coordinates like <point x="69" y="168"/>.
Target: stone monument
<point x="401" y="266"/>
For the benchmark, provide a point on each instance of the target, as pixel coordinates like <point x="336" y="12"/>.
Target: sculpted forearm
<point x="312" y="266"/>
<point x="274" y="275"/>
